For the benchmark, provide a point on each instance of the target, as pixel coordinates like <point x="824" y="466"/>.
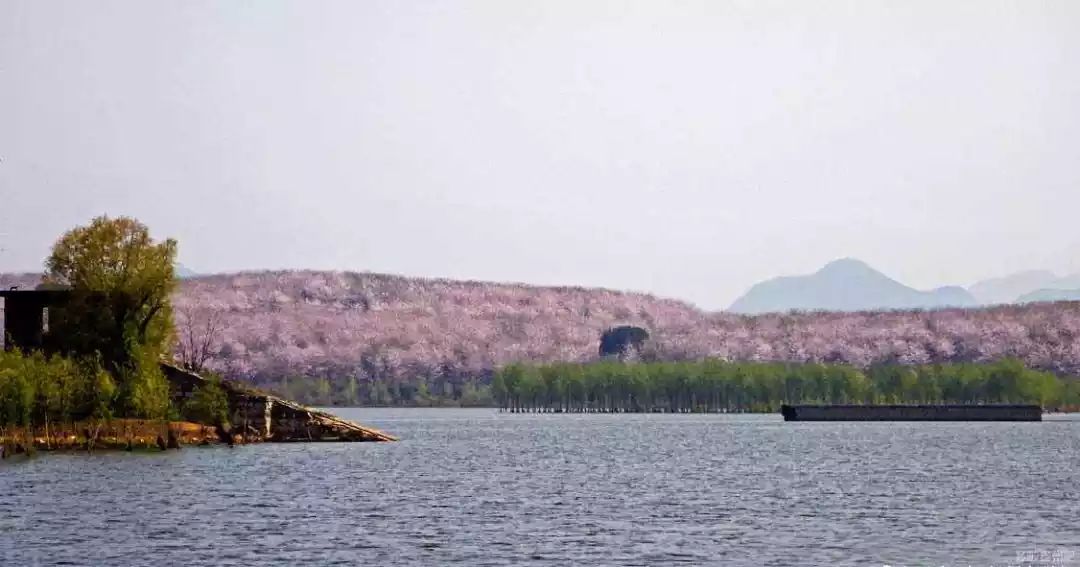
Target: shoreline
<point x="110" y="435"/>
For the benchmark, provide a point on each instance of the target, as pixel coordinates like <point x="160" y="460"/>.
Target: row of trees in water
<point x="720" y="386"/>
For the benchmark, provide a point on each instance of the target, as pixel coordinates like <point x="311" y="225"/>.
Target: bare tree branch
<point x="199" y="329"/>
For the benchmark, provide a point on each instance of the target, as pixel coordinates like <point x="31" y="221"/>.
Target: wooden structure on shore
<point x="944" y="412"/>
<point x="259" y="416"/>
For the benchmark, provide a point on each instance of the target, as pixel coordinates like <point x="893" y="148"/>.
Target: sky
<point x="688" y="149"/>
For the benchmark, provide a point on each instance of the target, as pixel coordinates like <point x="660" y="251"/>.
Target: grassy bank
<point x="101" y="434"/>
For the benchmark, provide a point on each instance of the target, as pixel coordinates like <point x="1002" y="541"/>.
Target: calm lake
<point x="477" y="487"/>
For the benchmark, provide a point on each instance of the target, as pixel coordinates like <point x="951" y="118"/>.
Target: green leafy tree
<point x="147" y="392"/>
<point x="121" y="280"/>
<point x="209" y="404"/>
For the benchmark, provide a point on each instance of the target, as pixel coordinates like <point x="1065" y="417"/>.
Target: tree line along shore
<point x="709" y="385"/>
<point x="59" y="402"/>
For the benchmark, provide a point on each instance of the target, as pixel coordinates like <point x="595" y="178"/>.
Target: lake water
<point x="476" y="487"/>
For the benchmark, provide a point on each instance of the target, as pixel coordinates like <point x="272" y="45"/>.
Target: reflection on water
<point x="476" y="487"/>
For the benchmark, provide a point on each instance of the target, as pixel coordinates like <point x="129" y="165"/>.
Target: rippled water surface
<point x="476" y="487"/>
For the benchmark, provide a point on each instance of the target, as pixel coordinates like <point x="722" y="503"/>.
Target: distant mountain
<point x="22" y="281"/>
<point x="1045" y="295"/>
<point x="1006" y="289"/>
<point x="845" y="285"/>
<point x="950" y="296"/>
<point x="1067" y="282"/>
<point x="183" y="272"/>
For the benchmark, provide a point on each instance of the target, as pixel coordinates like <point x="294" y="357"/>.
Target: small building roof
<point x="45" y="295"/>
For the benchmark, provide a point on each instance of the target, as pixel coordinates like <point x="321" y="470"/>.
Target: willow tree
<point x="121" y="280"/>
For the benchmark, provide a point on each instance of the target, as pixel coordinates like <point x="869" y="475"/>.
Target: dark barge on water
<point x="957" y="412"/>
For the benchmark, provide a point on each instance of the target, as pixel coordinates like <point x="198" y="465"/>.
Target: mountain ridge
<point x="1049" y="296"/>
<point x="846" y="284"/>
<point x="1014" y="287"/>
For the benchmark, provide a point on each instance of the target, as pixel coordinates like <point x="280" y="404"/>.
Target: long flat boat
<point x="949" y="412"/>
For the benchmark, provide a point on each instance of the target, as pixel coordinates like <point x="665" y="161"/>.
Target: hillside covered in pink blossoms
<point x="371" y="325"/>
<point x="364" y="326"/>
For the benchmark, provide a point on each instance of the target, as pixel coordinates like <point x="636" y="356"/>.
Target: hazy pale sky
<point x="688" y="149"/>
